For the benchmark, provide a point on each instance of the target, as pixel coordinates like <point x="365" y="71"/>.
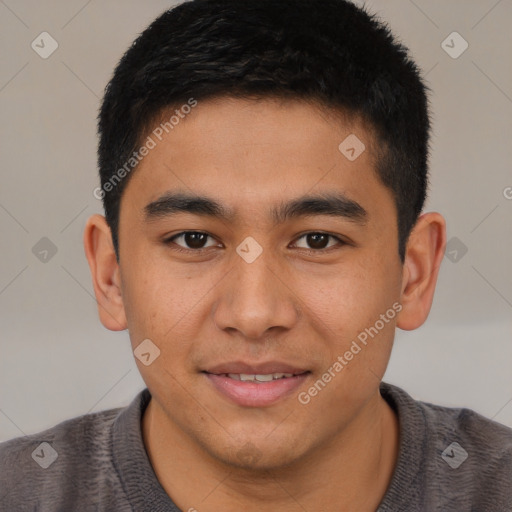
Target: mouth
<point x="256" y="385"/>
<point x="254" y="377"/>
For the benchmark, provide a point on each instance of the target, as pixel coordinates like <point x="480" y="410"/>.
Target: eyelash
<point x="178" y="248"/>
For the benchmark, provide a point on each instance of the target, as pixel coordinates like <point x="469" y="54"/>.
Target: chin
<point x="257" y="455"/>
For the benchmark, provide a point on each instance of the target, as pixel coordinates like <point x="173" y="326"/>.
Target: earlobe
<point x="105" y="273"/>
<point x="424" y="254"/>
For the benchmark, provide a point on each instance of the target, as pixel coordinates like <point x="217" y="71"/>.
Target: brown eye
<point x="318" y="241"/>
<point x="193" y="240"/>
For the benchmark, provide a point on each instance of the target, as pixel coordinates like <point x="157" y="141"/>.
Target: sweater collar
<point x="139" y="481"/>
<point x="406" y="481"/>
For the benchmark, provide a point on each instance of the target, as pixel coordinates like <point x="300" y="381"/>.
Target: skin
<point x="337" y="452"/>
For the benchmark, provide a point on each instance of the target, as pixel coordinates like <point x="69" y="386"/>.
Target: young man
<point x="263" y="171"/>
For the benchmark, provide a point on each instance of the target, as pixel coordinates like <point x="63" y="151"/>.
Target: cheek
<point x="163" y="304"/>
<point x="346" y="298"/>
<point x="151" y="303"/>
<point x="345" y="310"/>
<point x="160" y="307"/>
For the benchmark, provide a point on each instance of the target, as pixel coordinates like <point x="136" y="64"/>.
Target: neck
<point x="350" y="472"/>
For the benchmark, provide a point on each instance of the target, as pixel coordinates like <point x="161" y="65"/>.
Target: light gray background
<point x="56" y="359"/>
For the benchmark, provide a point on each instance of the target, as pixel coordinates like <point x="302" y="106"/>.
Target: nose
<point x="255" y="298"/>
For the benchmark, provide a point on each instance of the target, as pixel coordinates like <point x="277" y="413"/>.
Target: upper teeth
<point x="260" y="378"/>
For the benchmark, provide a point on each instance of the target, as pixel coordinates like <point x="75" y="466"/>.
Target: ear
<point x="424" y="254"/>
<point x="105" y="273"/>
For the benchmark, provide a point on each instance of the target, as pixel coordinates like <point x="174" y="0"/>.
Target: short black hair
<point x="330" y="52"/>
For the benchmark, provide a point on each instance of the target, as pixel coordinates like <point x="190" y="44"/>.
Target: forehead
<point x="251" y="154"/>
<point x="265" y="121"/>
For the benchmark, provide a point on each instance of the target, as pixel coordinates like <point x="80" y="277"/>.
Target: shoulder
<point x="487" y="442"/>
<point x="481" y="434"/>
<point x="482" y="438"/>
<point x="56" y="462"/>
<point x="475" y="454"/>
<point x="465" y="459"/>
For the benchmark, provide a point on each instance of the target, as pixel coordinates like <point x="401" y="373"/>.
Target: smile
<point x="256" y="389"/>
<point x="246" y="377"/>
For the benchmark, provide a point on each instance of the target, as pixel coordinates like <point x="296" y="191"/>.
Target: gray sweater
<point x="449" y="460"/>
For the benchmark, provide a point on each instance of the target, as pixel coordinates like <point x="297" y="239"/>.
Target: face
<point x="290" y="254"/>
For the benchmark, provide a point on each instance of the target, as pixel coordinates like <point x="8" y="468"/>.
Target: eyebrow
<point x="331" y="204"/>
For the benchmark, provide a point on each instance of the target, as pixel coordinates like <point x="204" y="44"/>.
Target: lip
<point x="254" y="394"/>
<point x="256" y="369"/>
